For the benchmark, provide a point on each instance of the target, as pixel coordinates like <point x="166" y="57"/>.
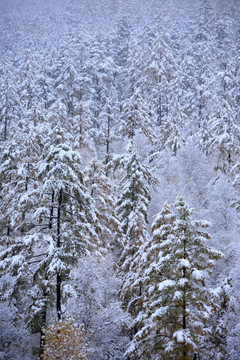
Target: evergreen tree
<point x="59" y="225"/>
<point x="133" y="203"/>
<point x="158" y="75"/>
<point x="121" y="42"/>
<point x="18" y="178"/>
<point x="177" y="303"/>
<point x="223" y="135"/>
<point x="217" y="346"/>
<point x="27" y="80"/>
<point x="100" y="69"/>
<point x="137" y="117"/>
<point x="132" y="207"/>
<point x="101" y="189"/>
<point x="108" y="131"/>
<point x="64" y="201"/>
<point x="9" y="100"/>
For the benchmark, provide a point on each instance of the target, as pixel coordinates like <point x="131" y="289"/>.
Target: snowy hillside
<point x="119" y="179"/>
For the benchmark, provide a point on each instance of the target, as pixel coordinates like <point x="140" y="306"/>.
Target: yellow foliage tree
<point x="63" y="340"/>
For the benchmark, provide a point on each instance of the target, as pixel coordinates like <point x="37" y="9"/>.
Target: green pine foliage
<point x="133" y="203"/>
<point x="77" y="82"/>
<point x="177" y="303"/>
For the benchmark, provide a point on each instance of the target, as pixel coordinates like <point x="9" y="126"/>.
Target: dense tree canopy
<point x="109" y="110"/>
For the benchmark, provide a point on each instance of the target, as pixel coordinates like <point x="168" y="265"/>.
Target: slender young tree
<point x="137" y="117"/>
<point x="133" y="203"/>
<point x="9" y="100"/>
<point x="223" y="136"/>
<point x="108" y="131"/>
<point x="101" y="189"/>
<point x="132" y="207"/>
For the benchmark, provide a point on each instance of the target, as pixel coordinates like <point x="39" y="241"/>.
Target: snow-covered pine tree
<point x="137" y="117"/>
<point x="197" y="80"/>
<point x="223" y="135"/>
<point x="17" y="172"/>
<point x="178" y="302"/>
<point x="29" y="64"/>
<point x="193" y="261"/>
<point x="68" y="80"/>
<point x="133" y="286"/>
<point x="217" y="346"/>
<point x="132" y="207"/>
<point x="170" y="138"/>
<point x="81" y="127"/>
<point x="9" y="99"/>
<point x="146" y="272"/>
<point x="50" y="223"/>
<point x="108" y="131"/>
<point x="120" y="42"/>
<point x="65" y="212"/>
<point x="133" y="203"/>
<point x="158" y="74"/>
<point x="101" y="70"/>
<point x="18" y="183"/>
<point x="101" y="189"/>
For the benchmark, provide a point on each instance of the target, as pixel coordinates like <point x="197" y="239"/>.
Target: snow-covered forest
<point x="119" y="179"/>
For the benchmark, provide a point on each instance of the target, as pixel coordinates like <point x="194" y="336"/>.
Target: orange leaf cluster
<point x="64" y="341"/>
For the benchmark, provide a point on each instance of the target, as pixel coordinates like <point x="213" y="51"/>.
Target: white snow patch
<point x="198" y="274"/>
<point x="166" y="284"/>
<point x="184" y="263"/>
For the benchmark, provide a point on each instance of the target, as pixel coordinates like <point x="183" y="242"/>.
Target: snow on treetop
<point x="183" y="282"/>
<point x="177" y="295"/>
<point x="183" y="336"/>
<point x="160" y="312"/>
<point x="198" y="274"/>
<point x="184" y="263"/>
<point x="166" y="284"/>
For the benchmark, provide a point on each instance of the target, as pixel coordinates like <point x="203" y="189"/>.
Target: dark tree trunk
<point x="108" y="141"/>
<point x="59" y="279"/>
<point x="43" y="322"/>
<point x="44" y="310"/>
<point x="184" y="315"/>
<point x="59" y="310"/>
<point x="51" y="212"/>
<point x="159" y="111"/>
<point x="6" y="120"/>
<point x="27" y="177"/>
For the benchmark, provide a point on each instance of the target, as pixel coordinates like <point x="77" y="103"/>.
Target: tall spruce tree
<point x="177" y="303"/>
<point x="64" y="201"/>
<point x="101" y="189"/>
<point x="59" y="226"/>
<point x="132" y="208"/>
<point x="133" y="203"/>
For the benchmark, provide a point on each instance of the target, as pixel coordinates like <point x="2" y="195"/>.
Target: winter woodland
<point x="119" y="179"/>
